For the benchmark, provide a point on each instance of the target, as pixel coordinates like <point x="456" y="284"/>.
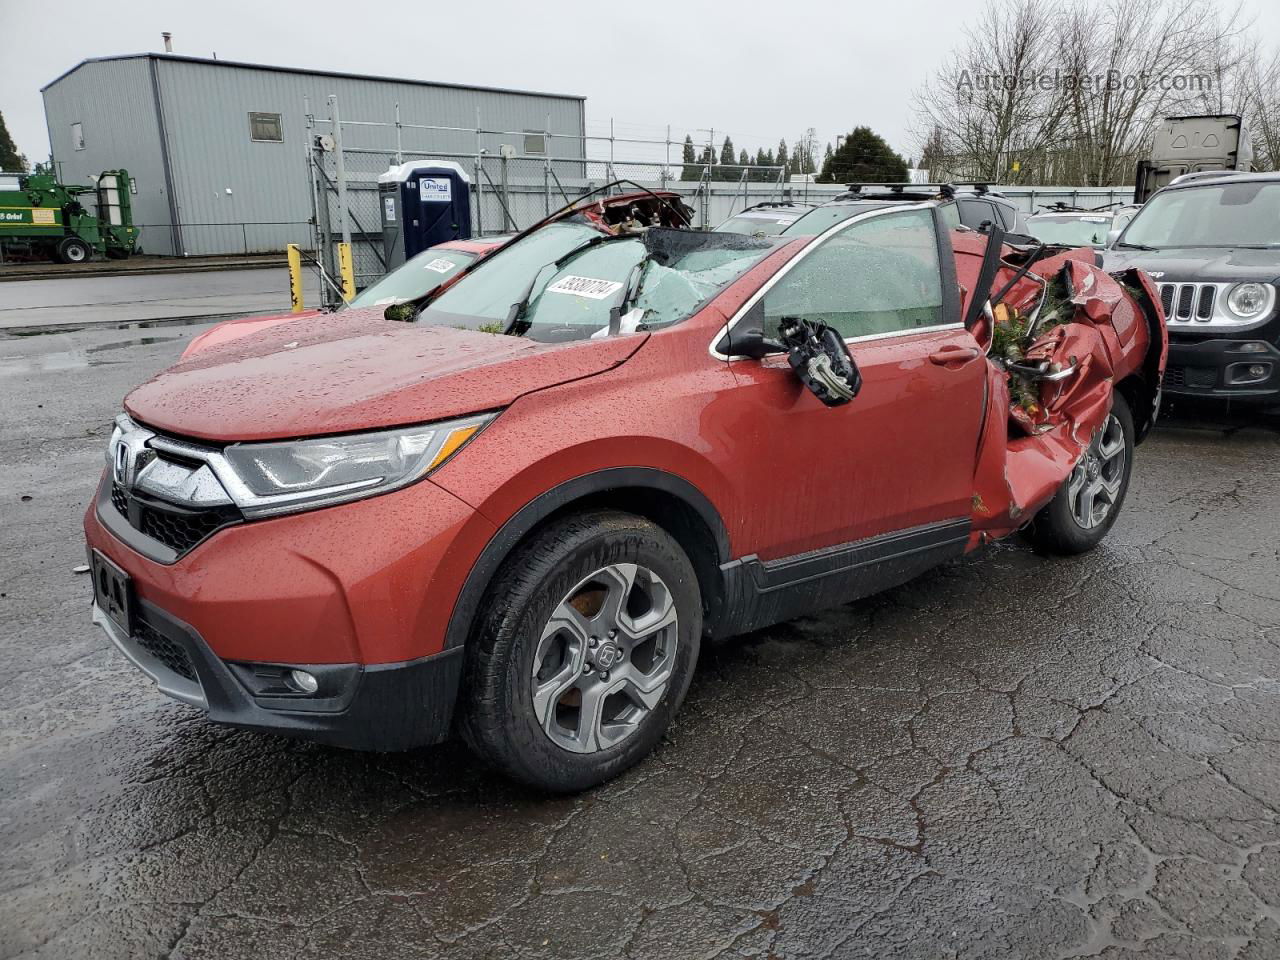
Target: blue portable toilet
<point x="424" y="202"/>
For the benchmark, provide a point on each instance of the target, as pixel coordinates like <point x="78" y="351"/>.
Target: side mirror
<point x="751" y="343"/>
<point x="821" y="359"/>
<point x="1112" y="237"/>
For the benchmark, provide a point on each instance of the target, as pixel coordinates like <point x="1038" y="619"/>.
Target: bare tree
<point x="1081" y="86"/>
<point x="1260" y="95"/>
<point x="985" y="106"/>
<point x="1149" y="61"/>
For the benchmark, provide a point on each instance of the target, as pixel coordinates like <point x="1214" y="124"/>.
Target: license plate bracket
<point x="113" y="591"/>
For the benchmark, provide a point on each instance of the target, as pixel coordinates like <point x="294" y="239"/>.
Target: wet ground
<point x="89" y="300"/>
<point x="1010" y="757"/>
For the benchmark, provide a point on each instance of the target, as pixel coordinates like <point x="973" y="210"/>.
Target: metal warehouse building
<point x="218" y="150"/>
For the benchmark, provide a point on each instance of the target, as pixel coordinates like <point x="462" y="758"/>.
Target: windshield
<point x="1071" y="231"/>
<point x="758" y="223"/>
<point x="1221" y="215"/>
<point x="414" y="278"/>
<point x="567" y="280"/>
<point x="820" y="218"/>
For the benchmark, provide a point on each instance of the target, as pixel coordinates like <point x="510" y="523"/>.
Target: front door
<point x="901" y="455"/>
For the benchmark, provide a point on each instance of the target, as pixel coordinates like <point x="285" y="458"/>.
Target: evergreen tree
<point x="689" y="159"/>
<point x="864" y="157"/>
<point x="706" y="158"/>
<point x="10" y="159"/>
<point x="782" y="159"/>
<point x="744" y="158"/>
<point x="727" y="156"/>
<point x="826" y="157"/>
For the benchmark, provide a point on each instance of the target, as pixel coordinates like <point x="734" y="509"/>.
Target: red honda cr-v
<point x="520" y="512"/>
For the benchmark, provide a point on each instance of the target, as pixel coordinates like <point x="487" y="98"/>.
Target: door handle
<point x="954" y="353"/>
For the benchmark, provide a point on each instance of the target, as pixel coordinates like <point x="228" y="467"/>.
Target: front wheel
<point x="1089" y="500"/>
<point x="584" y="652"/>
<point x="73" y="250"/>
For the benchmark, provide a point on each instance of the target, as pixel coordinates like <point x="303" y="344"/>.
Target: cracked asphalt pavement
<point x="1012" y="756"/>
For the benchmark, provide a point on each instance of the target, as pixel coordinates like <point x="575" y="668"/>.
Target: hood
<point x="229" y="330"/>
<point x="1199" y="264"/>
<point x="356" y="371"/>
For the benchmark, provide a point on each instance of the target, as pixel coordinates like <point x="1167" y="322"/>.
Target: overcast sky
<point x="757" y="75"/>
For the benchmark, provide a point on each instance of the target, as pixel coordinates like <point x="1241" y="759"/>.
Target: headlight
<point x="270" y="478"/>
<point x="1247" y="299"/>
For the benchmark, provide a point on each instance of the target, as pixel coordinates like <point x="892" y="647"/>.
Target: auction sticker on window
<point x="439" y="265"/>
<point x="585" y="287"/>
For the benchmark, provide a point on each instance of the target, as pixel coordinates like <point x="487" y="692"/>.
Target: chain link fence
<point x="511" y="187"/>
<point x="227" y="239"/>
<point x="519" y="177"/>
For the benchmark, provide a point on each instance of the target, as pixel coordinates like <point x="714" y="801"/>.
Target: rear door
<point x="901" y="455"/>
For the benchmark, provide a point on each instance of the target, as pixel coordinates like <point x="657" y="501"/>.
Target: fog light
<point x="1257" y="371"/>
<point x="304" y="681"/>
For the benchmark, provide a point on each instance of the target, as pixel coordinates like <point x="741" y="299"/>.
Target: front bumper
<point x="387" y="706"/>
<point x="1219" y="368"/>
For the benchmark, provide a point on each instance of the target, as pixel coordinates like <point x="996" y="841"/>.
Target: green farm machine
<point x="42" y="218"/>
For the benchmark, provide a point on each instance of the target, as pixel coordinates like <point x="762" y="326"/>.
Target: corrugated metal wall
<point x="112" y="101"/>
<point x="221" y="176"/>
<point x="233" y="193"/>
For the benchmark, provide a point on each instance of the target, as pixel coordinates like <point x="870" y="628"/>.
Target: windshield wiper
<point x="516" y="324"/>
<point x="1134" y="246"/>
<point x="631" y="291"/>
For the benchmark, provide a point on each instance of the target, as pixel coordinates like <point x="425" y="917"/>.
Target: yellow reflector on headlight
<point x="455" y="439"/>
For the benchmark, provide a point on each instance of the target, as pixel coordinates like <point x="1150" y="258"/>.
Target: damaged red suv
<point x="519" y="513"/>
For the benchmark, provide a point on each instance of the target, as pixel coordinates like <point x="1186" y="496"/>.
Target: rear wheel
<point x="1089" y="500"/>
<point x="585" y="652"/>
<point x="73" y="250"/>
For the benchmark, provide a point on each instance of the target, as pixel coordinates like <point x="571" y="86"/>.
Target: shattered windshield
<point x="1224" y="215"/>
<point x="570" y="281"/>
<point x="1071" y="231"/>
<point x="414" y="278"/>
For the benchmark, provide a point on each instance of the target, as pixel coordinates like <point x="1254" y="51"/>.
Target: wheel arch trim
<point x="559" y="497"/>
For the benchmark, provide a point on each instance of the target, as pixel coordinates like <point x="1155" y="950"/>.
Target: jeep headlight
<point x="1247" y="300"/>
<point x="280" y="477"/>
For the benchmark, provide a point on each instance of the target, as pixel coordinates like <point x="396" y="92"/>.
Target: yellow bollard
<point x="295" y="278"/>
<point x="346" y="272"/>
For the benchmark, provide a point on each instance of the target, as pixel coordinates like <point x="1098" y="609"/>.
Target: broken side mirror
<point x="1112" y="237"/>
<point x="821" y="359"/>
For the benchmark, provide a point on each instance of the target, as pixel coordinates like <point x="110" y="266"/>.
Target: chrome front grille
<point x="1188" y="302"/>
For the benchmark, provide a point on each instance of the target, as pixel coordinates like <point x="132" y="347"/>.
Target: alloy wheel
<point x="1097" y="480"/>
<point x="605" y="658"/>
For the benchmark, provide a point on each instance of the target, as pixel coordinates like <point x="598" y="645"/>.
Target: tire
<point x="1059" y="527"/>
<point x="73" y="250"/>
<point x="542" y="653"/>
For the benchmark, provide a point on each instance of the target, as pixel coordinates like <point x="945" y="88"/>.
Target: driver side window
<point x="877" y="276"/>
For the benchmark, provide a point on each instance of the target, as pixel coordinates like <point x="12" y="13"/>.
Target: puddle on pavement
<point x="62" y="360"/>
<point x="48" y="331"/>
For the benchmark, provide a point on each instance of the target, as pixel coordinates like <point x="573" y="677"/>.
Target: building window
<point x="535" y="143"/>
<point x="77" y="135"/>
<point x="265" y="126"/>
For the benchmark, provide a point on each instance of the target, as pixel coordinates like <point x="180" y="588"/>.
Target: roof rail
<point x="1203" y="175"/>
<point x="924" y="190"/>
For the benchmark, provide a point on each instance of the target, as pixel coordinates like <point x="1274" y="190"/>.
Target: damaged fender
<point x="1075" y="335"/>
